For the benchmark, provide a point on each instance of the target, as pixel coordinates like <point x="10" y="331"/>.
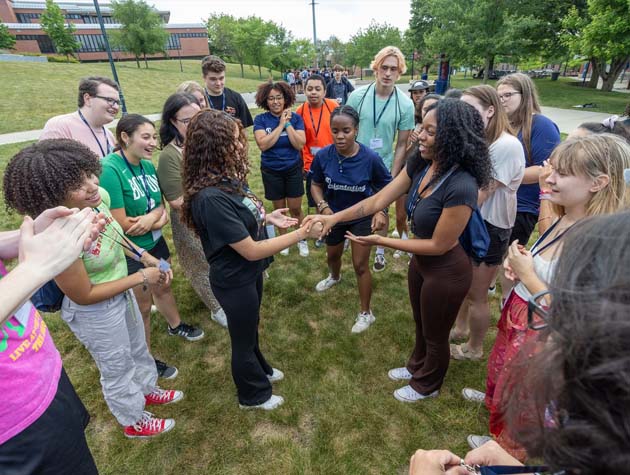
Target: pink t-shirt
<point x="30" y="367"/>
<point x="70" y="126"/>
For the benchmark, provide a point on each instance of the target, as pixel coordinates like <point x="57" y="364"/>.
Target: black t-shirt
<point x="460" y="188"/>
<point x="226" y="218"/>
<point x="234" y="105"/>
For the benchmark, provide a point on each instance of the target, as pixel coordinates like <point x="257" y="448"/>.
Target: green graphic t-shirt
<point x="105" y="261"/>
<point x="127" y="188"/>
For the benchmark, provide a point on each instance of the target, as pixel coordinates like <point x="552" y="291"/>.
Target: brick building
<point x="22" y="19"/>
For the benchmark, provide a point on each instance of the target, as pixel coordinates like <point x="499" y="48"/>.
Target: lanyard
<point x="145" y="187"/>
<point x="377" y="120"/>
<point x="321" y="113"/>
<point x="535" y="251"/>
<point x="107" y="145"/>
<point x="210" y="100"/>
<point x="126" y="243"/>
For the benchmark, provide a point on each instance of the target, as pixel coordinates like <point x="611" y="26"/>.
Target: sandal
<point x="461" y="352"/>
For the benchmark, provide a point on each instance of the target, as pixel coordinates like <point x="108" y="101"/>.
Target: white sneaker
<point x="473" y="395"/>
<point x="408" y="394"/>
<point x="346" y="245"/>
<point x="379" y="263"/>
<point x="303" y="248"/>
<point x="395" y="234"/>
<point x="327" y="283"/>
<point x="399" y="374"/>
<point x="219" y="317"/>
<point x="154" y="309"/>
<point x="492" y="290"/>
<point x="277" y="375"/>
<point x="398" y="254"/>
<point x="363" y="322"/>
<point x="269" y="405"/>
<point x="476" y="441"/>
<point x="284" y="252"/>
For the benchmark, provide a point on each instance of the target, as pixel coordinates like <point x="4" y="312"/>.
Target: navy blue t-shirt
<point x="346" y="181"/>
<point x="282" y="156"/>
<point x="545" y="137"/>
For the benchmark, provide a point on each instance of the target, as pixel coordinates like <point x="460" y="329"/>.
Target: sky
<point x="341" y="18"/>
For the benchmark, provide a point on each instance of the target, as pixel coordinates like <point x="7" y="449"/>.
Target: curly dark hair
<point x="575" y="390"/>
<point x="42" y="175"/>
<point x="213" y="157"/>
<point x="262" y="94"/>
<point x="461" y="140"/>
<point x="172" y="106"/>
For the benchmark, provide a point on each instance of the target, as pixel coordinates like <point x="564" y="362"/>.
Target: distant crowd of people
<point x="470" y="177"/>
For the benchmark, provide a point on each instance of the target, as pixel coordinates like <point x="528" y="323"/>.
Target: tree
<point x="61" y="34"/>
<point x="7" y="40"/>
<point x="603" y="36"/>
<point x="364" y="45"/>
<point x="221" y="30"/>
<point x="258" y="33"/>
<point x="142" y="29"/>
<point x="332" y="50"/>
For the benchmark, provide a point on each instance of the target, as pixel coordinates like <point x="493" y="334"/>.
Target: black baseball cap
<point x="419" y="85"/>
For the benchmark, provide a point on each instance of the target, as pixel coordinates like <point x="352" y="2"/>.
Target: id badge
<point x="23" y="313"/>
<point x="376" y="143"/>
<point x="164" y="266"/>
<point x="157" y="234"/>
<point x="314" y="150"/>
<point x="151" y="203"/>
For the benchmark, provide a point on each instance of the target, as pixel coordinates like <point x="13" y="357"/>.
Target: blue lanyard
<point x="107" y="144"/>
<point x="210" y="100"/>
<point x="509" y="470"/>
<point x="145" y="187"/>
<point x="125" y="243"/>
<point x="535" y="251"/>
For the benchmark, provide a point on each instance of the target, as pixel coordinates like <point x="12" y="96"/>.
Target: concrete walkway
<point x="567" y="120"/>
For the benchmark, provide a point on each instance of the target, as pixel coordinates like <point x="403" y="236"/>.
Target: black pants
<point x="55" y="443"/>
<point x="249" y="367"/>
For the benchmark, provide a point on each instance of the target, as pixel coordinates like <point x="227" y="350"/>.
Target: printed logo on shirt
<point x="230" y="110"/>
<point x="33" y="342"/>
<point x="137" y="186"/>
<point x="350" y="188"/>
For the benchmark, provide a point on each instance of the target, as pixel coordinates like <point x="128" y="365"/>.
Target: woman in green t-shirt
<point x="98" y="306"/>
<point x="136" y="204"/>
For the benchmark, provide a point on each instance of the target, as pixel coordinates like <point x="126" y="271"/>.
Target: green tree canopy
<point x="61" y="34"/>
<point x="364" y="45"/>
<point x="221" y="31"/>
<point x="7" y="40"/>
<point x="142" y="30"/>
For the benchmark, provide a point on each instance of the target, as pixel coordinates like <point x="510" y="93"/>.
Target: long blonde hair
<point x="523" y="117"/>
<point x="593" y="156"/>
<point x="498" y="123"/>
<point x="389" y="51"/>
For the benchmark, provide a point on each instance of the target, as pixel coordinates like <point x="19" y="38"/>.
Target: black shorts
<point x="55" y="443"/>
<point x="359" y="228"/>
<point x="523" y="227"/>
<point x="499" y="242"/>
<point x="309" y="197"/>
<point x="285" y="184"/>
<point x="160" y="250"/>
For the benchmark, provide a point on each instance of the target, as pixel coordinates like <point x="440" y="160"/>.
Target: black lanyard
<point x="535" y="251"/>
<point x="210" y="100"/>
<point x="377" y="120"/>
<point x="321" y="113"/>
<point x="509" y="470"/>
<point x="126" y="243"/>
<point x="145" y="187"/>
<point x="107" y="144"/>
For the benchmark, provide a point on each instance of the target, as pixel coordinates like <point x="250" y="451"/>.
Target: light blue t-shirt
<point x="397" y="115"/>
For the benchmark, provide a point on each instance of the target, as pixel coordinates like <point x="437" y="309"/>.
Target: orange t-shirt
<point x="316" y="128"/>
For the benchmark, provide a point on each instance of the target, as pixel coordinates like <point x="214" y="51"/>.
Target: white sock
<point x="380" y="250"/>
<point x="404" y="236"/>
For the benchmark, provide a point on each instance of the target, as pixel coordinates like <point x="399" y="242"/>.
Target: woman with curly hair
<point x="178" y="111"/>
<point x="98" y="306"/>
<point x="442" y="179"/>
<point x="230" y="221"/>
<point x="280" y="136"/>
<point x="136" y="203"/>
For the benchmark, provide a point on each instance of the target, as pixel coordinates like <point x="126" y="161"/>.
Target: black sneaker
<point x="186" y="331"/>
<point x="165" y="371"/>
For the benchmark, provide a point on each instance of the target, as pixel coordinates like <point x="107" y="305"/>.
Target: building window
<point x="27" y="17"/>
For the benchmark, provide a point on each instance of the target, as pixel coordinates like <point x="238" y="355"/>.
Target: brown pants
<point x="437" y="287"/>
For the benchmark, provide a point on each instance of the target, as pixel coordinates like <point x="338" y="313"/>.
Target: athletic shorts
<point x="160" y="250"/>
<point x="359" y="228"/>
<point x="523" y="227"/>
<point x="499" y="242"/>
<point x="285" y="184"/>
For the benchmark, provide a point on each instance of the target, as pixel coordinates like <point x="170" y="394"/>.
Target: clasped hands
<point x="328" y="220"/>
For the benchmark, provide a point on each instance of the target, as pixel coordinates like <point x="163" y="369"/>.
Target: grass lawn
<point x="564" y="94"/>
<point x="34" y="92"/>
<point x="339" y="416"/>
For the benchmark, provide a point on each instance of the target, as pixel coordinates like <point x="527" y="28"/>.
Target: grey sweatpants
<point x="113" y="332"/>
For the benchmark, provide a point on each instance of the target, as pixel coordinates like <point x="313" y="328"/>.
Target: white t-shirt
<point x="508" y="162"/>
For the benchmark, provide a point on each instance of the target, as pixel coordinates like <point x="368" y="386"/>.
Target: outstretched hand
<point x="327" y="222"/>
<point x="280" y="219"/>
<point x="371" y="240"/>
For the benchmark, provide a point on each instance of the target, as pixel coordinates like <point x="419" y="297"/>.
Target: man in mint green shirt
<point x="383" y="112"/>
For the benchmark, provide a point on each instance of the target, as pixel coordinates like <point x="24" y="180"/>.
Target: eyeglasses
<point x="184" y="121"/>
<point x="110" y="101"/>
<point x="537" y="311"/>
<point x="507" y="95"/>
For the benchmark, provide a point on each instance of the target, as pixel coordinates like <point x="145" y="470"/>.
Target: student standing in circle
<point x="178" y="111"/>
<point x="344" y="174"/>
<point x="279" y="134"/>
<point x="136" y="203"/>
<point x="230" y="221"/>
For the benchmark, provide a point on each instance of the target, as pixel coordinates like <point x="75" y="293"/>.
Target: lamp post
<point x="314" y="33"/>
<point x="123" y="105"/>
